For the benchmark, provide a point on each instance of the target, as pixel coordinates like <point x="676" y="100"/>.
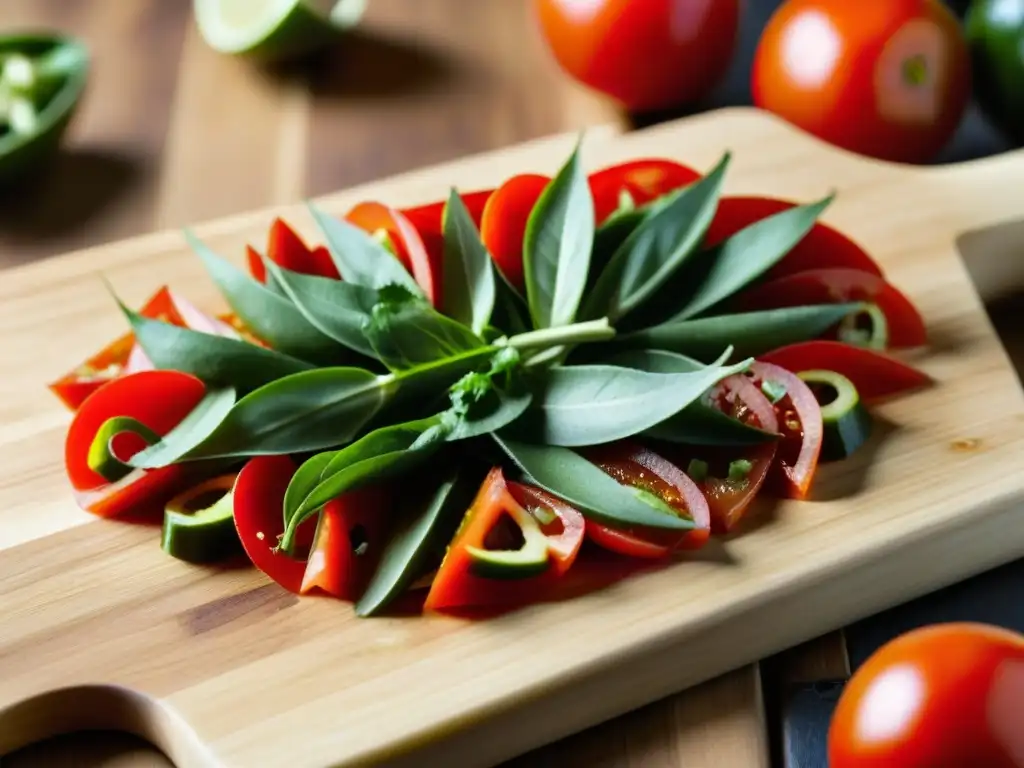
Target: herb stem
<point x="578" y="333"/>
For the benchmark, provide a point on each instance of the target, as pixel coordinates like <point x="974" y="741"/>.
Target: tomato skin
<point x="336" y="565"/>
<point x="258" y="502"/>
<point x="834" y="286"/>
<point x="565" y="534"/>
<point x="645" y="54"/>
<point x="943" y="695"/>
<point x="503" y="222"/>
<point x="821" y="248"/>
<point x="644" y="180"/>
<point x="286" y="249"/>
<point x="875" y="375"/>
<point x="158" y="399"/>
<point x="635" y="465"/>
<point x="429" y="220"/>
<point x="836" y="69"/>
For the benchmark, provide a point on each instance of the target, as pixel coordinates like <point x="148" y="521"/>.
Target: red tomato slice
<point x="833" y="286"/>
<point x="349" y="537"/>
<point x="503" y="224"/>
<point x="822" y="247"/>
<point x="258" y="501"/>
<point x="373" y="217"/>
<point x="799" y="423"/>
<point x="255" y="264"/>
<point x="286" y="249"/>
<point x="636" y="466"/>
<point x="644" y="179"/>
<point x="874" y="374"/>
<point x="456" y="586"/>
<point x="728" y="499"/>
<point x="158" y="399"/>
<point x="429" y="221"/>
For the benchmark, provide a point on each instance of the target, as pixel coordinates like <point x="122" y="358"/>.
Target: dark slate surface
<point x="806" y="712"/>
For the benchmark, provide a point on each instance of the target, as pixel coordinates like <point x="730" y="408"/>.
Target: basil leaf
<point x="307" y="411"/>
<point x="469" y="282"/>
<point x="413" y="333"/>
<point x="305" y="479"/>
<point x="699" y="423"/>
<point x="338" y="309"/>
<point x="748" y="254"/>
<point x="609" y="237"/>
<point x="752" y="333"/>
<point x="497" y="409"/>
<point x="511" y="314"/>
<point x="584" y="485"/>
<point x="657" y="248"/>
<point x="424" y="528"/>
<point x="379" y="455"/>
<point x="271" y="317"/>
<point x="557" y="244"/>
<point x="592" y="404"/>
<point x="360" y="258"/>
<point x="190" y="431"/>
<point x="217" y="360"/>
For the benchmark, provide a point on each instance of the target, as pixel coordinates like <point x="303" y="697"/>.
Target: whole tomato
<point x="886" y="79"/>
<point x="647" y="54"/>
<point x="944" y="696"/>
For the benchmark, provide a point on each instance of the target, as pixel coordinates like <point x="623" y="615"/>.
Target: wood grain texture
<point x="248" y="668"/>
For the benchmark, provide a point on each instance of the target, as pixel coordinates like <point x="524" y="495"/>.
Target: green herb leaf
<point x="557" y="244"/>
<point x="359" y="257"/>
<point x="190" y="432"/>
<point x="752" y="333"/>
<point x="596" y="494"/>
<point x="699" y="423"/>
<point x="657" y="248"/>
<point x="773" y="390"/>
<point x="411" y="333"/>
<point x="698" y="470"/>
<point x="469" y="281"/>
<point x="608" y="238"/>
<point x="511" y="314"/>
<point x="748" y="254"/>
<point x="424" y="528"/>
<point x="271" y="317"/>
<point x="216" y="360"/>
<point x="739" y="470"/>
<point x="592" y="404"/>
<point x="338" y="309"/>
<point x="491" y="410"/>
<point x="307" y="411"/>
<point x="305" y="479"/>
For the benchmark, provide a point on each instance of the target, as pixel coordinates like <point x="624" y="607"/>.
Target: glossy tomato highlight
<point x="886" y="79"/>
<point x="646" y="54"/>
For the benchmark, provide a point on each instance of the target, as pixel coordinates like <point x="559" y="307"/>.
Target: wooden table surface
<point x="171" y="133"/>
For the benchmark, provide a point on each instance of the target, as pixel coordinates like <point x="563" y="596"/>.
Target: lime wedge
<point x="274" y="29"/>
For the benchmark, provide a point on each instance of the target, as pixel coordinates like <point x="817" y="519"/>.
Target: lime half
<point x="274" y="29"/>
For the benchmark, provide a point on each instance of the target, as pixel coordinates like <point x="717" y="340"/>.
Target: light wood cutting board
<point x="99" y="629"/>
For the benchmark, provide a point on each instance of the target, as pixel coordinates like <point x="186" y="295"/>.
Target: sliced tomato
<point x="644" y="179"/>
<point x="286" y="249"/>
<point x="407" y="245"/>
<point x="833" y="286"/>
<point x="258" y="503"/>
<point x="874" y="374"/>
<point x="347" y="544"/>
<point x="503" y="224"/>
<point x="821" y="248"/>
<point x="730" y="477"/>
<point x="799" y="424"/>
<point x="638" y="467"/>
<point x="158" y="399"/>
<point x="506" y="552"/>
<point x="256" y="267"/>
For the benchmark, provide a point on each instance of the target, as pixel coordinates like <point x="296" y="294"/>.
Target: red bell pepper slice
<point x="258" y="501"/>
<point x="429" y="220"/>
<point x="639" y="467"/>
<point x="730" y="477"/>
<point x="348" y="540"/>
<point x="286" y="249"/>
<point x="799" y="424"/>
<point x="906" y="327"/>
<point x="503" y="224"/>
<point x="157" y="399"/>
<point x="821" y="248"/>
<point x="408" y="246"/>
<point x="554" y="525"/>
<point x="644" y="180"/>
<point x="874" y="374"/>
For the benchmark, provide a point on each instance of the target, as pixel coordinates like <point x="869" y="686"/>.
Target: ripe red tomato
<point x="646" y="54"/>
<point x="945" y="695"/>
<point x="886" y="79"/>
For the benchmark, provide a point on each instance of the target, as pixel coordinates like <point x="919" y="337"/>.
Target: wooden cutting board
<point x="98" y="628"/>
